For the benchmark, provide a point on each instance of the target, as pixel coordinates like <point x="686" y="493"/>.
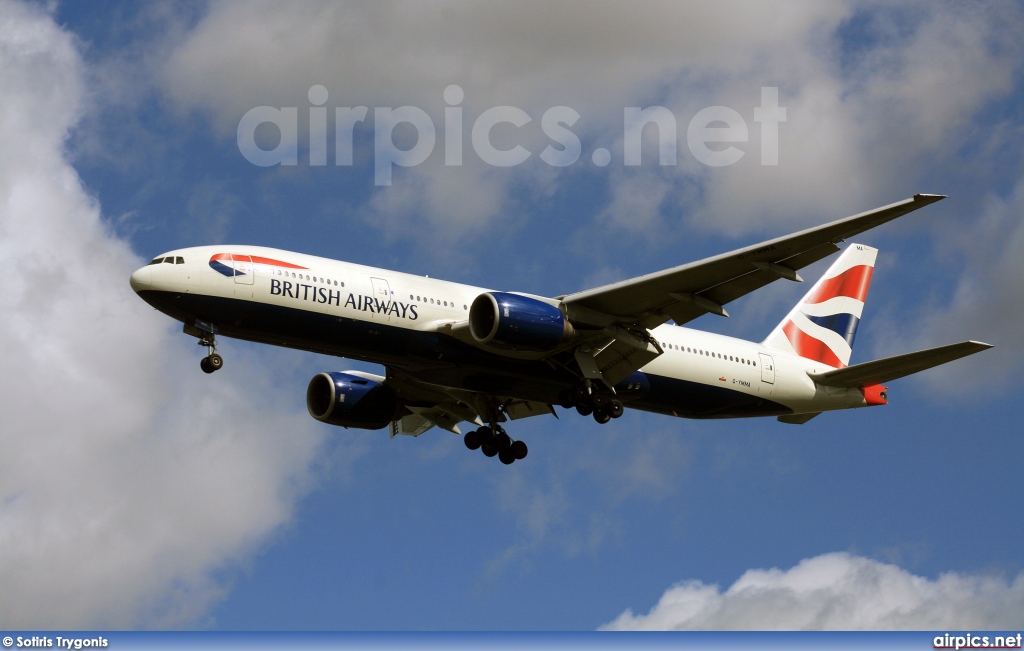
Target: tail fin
<point x="823" y="324"/>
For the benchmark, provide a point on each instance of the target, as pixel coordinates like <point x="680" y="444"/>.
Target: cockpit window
<point x="169" y="260"/>
<point x="179" y="260"/>
<point x="156" y="261"/>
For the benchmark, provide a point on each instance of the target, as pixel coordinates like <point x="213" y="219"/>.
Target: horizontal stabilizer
<point x="892" y="368"/>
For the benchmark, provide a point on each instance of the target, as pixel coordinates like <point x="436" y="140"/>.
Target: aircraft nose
<point x="140" y="279"/>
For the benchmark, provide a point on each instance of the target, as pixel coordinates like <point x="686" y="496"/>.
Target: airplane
<point x="454" y="353"/>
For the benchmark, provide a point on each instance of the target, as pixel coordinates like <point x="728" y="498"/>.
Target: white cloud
<point x="584" y="54"/>
<point x="986" y="303"/>
<point x="862" y="127"/>
<point x="595" y="58"/>
<point x="837" y="591"/>
<point x="129" y="480"/>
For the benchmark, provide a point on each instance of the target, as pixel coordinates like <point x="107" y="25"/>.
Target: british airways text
<point x="324" y="295"/>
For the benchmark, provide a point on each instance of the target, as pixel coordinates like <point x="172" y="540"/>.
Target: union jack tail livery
<point x="823" y="324"/>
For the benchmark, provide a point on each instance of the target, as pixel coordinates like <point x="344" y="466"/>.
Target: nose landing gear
<point x="212" y="362"/>
<point x="205" y="332"/>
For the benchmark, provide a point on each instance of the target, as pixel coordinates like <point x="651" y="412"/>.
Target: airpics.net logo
<point x="712" y="134"/>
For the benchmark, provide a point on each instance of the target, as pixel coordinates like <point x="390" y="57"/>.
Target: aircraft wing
<point x="892" y="368"/>
<point x="686" y="292"/>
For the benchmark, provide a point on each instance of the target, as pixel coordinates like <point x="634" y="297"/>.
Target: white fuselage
<point x="369" y="298"/>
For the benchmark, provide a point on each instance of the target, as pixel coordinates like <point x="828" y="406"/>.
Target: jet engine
<point x="516" y="322"/>
<point x="351" y="401"/>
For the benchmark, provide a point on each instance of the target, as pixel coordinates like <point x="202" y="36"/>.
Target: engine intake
<point x="351" y="401"/>
<point x="515" y="322"/>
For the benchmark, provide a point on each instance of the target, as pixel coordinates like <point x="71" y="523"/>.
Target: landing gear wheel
<point x="581" y="395"/>
<point x="567" y="399"/>
<point x="615" y="408"/>
<point x="486" y="435"/>
<point x="502" y="441"/>
<point x="519" y="450"/>
<point x="211" y="363"/>
<point x="472" y="440"/>
<point x="584" y="409"/>
<point x="598" y="401"/>
<point x="489" y="450"/>
<point x="602" y="416"/>
<point x="506" y="457"/>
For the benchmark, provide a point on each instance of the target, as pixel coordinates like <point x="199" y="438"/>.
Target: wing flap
<point x="411" y="425"/>
<point x="619" y="359"/>
<point x="893" y="368"/>
<point x="525" y="408"/>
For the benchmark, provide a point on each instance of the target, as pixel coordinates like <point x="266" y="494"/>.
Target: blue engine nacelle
<point x="515" y="322"/>
<point x="351" y="401"/>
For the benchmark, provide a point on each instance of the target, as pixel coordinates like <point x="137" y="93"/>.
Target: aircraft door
<point x="244" y="271"/>
<point x="767" y="368"/>
<point x="381" y="290"/>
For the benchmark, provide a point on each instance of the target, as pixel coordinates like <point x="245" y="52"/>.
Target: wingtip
<point x="929" y="198"/>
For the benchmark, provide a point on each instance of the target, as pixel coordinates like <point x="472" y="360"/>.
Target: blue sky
<point x="136" y="492"/>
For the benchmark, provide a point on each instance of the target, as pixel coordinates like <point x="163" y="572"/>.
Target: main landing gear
<point x="212" y="362"/>
<point x="587" y="402"/>
<point x="494" y="441"/>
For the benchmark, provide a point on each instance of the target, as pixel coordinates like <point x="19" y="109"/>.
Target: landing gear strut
<point x="588" y="401"/>
<point x="212" y="362"/>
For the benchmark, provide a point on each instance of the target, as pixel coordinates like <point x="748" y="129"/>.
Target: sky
<point x="137" y="492"/>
